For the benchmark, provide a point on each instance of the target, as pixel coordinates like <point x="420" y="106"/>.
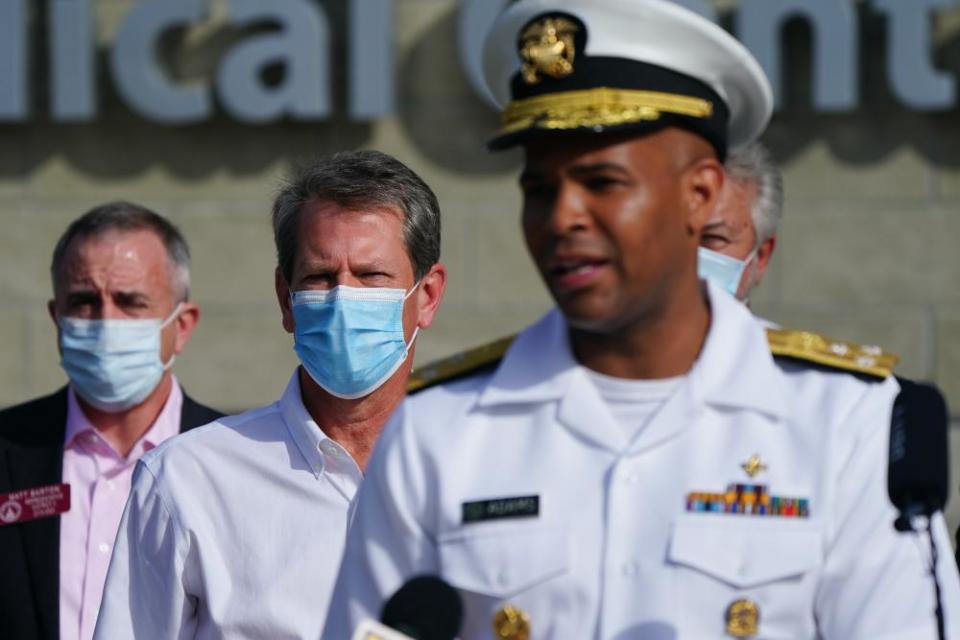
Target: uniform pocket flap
<point x="502" y="563"/>
<point x="745" y="554"/>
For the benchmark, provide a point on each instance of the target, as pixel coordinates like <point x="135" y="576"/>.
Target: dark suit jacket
<point x="31" y="455"/>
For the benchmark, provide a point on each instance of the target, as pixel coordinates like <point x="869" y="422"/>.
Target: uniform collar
<point x="734" y="369"/>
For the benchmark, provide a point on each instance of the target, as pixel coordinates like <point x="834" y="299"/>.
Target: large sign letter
<point x="912" y="77"/>
<point x="835" y="38"/>
<point x="73" y="93"/>
<point x="302" y="46"/>
<point x="136" y="69"/>
<point x="14" y="105"/>
<point x="371" y="59"/>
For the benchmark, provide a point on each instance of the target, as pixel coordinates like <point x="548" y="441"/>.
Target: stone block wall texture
<point x="868" y="248"/>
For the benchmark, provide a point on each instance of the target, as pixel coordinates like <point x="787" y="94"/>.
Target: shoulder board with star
<point x="810" y="347"/>
<point x="458" y="365"/>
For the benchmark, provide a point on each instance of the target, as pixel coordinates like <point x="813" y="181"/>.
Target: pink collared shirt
<point x="99" y="480"/>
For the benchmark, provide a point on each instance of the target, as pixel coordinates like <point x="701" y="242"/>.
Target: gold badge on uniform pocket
<point x="511" y="623"/>
<point x="743" y="618"/>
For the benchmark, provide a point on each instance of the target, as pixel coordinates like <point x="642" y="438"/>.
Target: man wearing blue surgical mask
<point x="237" y="530"/>
<point x="121" y="277"/>
<point x="739" y="239"/>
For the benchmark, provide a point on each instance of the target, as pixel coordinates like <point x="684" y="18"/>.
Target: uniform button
<point x="631" y="478"/>
<point x="503" y="578"/>
<point x="104" y="547"/>
<point x="629" y="569"/>
<point x="744" y="568"/>
<point x="111" y="485"/>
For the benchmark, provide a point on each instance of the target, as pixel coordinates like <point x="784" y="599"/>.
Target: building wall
<point x="867" y="250"/>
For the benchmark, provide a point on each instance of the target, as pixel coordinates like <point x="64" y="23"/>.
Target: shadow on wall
<point x="444" y="120"/>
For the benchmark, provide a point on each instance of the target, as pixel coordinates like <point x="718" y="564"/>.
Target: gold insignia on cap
<point x="849" y="356"/>
<point x="597" y="107"/>
<point x="547" y="48"/>
<point x="743" y="618"/>
<point x="754" y="465"/>
<point x="511" y="623"/>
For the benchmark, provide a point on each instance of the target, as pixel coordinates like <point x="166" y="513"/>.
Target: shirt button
<point x="330" y="449"/>
<point x="104" y="547"/>
<point x="629" y="569"/>
<point x="631" y="478"/>
<point x="503" y="578"/>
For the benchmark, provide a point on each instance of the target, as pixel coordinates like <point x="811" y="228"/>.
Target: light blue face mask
<point x="113" y="364"/>
<point x="350" y="339"/>
<point x="723" y="271"/>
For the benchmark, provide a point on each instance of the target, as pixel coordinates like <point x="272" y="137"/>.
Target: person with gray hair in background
<point x="237" y="530"/>
<point x="121" y="306"/>
<point x="741" y="234"/>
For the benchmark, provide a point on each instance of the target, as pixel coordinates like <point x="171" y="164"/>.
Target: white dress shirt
<point x="611" y="548"/>
<point x="233" y="530"/>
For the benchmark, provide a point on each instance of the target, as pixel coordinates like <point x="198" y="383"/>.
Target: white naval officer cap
<point x="557" y="66"/>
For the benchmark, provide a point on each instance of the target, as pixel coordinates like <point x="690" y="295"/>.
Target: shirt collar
<point x="166" y="425"/>
<point x="734" y="368"/>
<point x="310" y="439"/>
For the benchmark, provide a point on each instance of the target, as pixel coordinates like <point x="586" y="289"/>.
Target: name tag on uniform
<point x="501" y="508"/>
<point x="37" y="502"/>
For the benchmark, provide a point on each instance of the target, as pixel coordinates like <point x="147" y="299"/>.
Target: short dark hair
<point x="356" y="180"/>
<point x="126" y="216"/>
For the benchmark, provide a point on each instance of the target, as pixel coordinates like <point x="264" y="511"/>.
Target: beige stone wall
<point x="868" y="245"/>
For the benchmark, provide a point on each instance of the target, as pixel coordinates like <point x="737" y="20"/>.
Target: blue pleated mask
<point x="113" y="364"/>
<point x="721" y="270"/>
<point x="350" y="339"/>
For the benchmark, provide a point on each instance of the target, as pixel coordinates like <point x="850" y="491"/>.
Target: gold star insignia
<point x="754" y="465"/>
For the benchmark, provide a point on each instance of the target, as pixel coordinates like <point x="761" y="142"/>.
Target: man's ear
<point x="283" y="299"/>
<point x="430" y="294"/>
<point x="186" y="322"/>
<point x="701" y="183"/>
<point x="764" y="253"/>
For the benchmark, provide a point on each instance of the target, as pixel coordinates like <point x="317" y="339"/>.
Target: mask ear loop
<point x="416" y="330"/>
<point x="748" y="268"/>
<point x="173" y="316"/>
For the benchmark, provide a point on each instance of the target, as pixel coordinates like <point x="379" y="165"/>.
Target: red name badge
<point x="37" y="502"/>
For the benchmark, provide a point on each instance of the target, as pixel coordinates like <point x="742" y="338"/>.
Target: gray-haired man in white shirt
<point x="237" y="530"/>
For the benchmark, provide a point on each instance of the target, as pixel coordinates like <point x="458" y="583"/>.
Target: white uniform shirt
<point x="232" y="530"/>
<point x="613" y="551"/>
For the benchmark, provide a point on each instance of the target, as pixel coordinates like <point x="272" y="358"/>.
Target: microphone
<point x="424" y="608"/>
<point x="918" y="468"/>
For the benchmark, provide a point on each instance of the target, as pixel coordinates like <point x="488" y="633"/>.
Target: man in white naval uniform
<point x="647" y="460"/>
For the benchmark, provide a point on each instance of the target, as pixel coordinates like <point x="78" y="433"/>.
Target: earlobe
<point x="186" y="322"/>
<point x="432" y="286"/>
<point x="283" y="299"/>
<point x="702" y="191"/>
